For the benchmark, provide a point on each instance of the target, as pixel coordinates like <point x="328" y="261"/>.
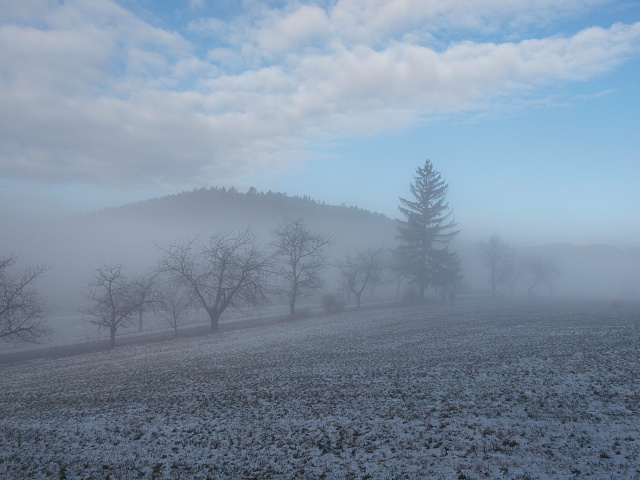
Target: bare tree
<point x="361" y="272"/>
<point x="302" y="258"/>
<point x="496" y="254"/>
<point x="173" y="303"/>
<point x="542" y="271"/>
<point x="114" y="300"/>
<point x="230" y="272"/>
<point x="144" y="289"/>
<point x="513" y="272"/>
<point x="22" y="315"/>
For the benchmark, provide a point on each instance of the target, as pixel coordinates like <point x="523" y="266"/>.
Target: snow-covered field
<point x="481" y="389"/>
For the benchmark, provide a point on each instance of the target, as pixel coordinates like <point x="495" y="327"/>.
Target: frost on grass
<point x="478" y="390"/>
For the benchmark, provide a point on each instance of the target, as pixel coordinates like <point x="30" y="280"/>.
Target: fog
<point x="75" y="246"/>
<point x="598" y="271"/>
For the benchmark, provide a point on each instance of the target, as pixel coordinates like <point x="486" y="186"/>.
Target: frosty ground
<point x="518" y="389"/>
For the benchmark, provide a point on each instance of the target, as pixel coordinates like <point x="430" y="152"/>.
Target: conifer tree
<point x="426" y="231"/>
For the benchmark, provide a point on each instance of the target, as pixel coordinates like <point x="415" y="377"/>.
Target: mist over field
<point x="534" y="382"/>
<point x="448" y="289"/>
<point x="74" y="247"/>
<point x="132" y="235"/>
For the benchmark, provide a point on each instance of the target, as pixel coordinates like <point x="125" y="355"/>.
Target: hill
<point x="130" y="235"/>
<point x="206" y="211"/>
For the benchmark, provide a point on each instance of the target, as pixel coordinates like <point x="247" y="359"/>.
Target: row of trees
<point x="499" y="257"/>
<point x="231" y="270"/>
<point x="228" y="272"/>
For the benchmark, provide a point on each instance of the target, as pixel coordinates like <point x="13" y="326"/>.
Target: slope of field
<point x="481" y="389"/>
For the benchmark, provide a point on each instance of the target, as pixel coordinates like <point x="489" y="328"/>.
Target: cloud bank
<point x="91" y="93"/>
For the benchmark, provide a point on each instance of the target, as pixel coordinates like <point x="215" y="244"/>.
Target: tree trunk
<point x="493" y="282"/>
<point x="214" y="315"/>
<point x="112" y="334"/>
<point x="358" y="300"/>
<point x="140" y="321"/>
<point x="292" y="301"/>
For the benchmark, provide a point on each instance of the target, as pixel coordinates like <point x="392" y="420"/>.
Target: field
<point x="520" y="389"/>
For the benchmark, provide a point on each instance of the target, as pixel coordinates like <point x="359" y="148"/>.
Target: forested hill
<point x="133" y="234"/>
<point x="220" y="203"/>
<point x="207" y="211"/>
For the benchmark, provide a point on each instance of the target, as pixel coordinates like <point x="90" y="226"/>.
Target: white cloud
<point x="304" y="25"/>
<point x="90" y="93"/>
<point x="375" y="21"/>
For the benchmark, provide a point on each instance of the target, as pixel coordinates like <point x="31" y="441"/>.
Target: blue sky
<point x="528" y="109"/>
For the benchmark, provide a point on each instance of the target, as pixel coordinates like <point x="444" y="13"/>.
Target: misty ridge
<point x="131" y="235"/>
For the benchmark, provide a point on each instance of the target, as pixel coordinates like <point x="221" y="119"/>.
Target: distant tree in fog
<point x="174" y="301"/>
<point x="301" y="257"/>
<point x="114" y="300"/>
<point x="361" y="272"/>
<point x="514" y="269"/>
<point x="497" y="256"/>
<point x="395" y="267"/>
<point x="426" y="231"/>
<point x="541" y="270"/>
<point x="229" y="272"/>
<point x="22" y="315"/>
<point x="144" y="289"/>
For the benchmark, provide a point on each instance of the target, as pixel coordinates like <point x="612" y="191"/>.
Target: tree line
<point x="230" y="270"/>
<point x="506" y="270"/>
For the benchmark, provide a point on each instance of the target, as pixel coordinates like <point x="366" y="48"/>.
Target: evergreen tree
<point x="426" y="231"/>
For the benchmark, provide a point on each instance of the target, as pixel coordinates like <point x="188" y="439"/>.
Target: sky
<point x="529" y="110"/>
